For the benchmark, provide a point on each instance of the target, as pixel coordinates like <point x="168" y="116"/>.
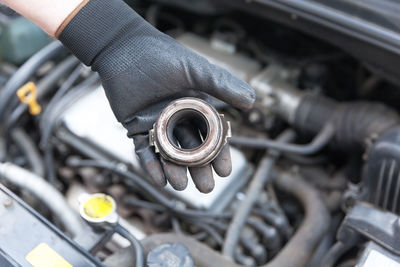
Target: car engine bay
<point x="315" y="175"/>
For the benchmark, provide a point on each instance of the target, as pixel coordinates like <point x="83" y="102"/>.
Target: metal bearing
<point x="218" y="130"/>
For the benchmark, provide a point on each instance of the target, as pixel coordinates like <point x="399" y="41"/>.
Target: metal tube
<point x="53" y="199"/>
<point x="319" y="141"/>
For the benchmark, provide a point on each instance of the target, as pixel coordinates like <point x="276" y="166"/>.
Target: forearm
<point x="47" y="14"/>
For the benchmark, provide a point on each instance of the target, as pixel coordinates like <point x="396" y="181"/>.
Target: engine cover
<point x="381" y="180"/>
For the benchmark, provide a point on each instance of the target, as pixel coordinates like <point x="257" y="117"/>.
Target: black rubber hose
<point x="44" y="86"/>
<point x="22" y="75"/>
<point x="300" y="247"/>
<point x="261" y="177"/>
<point x="296" y="252"/>
<point x="147" y="188"/>
<point x="334" y="253"/>
<point x="137" y="246"/>
<point x="319" y="142"/>
<point x="29" y="149"/>
<point x="359" y="123"/>
<point x="67" y="84"/>
<point x="355" y="123"/>
<point x="51" y="122"/>
<point x="50" y="116"/>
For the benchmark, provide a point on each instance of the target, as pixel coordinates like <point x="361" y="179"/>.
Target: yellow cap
<point x="99" y="208"/>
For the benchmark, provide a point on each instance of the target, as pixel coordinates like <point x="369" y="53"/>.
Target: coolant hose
<point x="41" y="189"/>
<point x="299" y="249"/>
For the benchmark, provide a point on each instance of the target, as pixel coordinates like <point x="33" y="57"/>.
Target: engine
<point x="316" y="162"/>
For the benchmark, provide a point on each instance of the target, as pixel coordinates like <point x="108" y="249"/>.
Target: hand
<point x="142" y="70"/>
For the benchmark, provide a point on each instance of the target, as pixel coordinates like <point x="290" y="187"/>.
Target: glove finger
<point x="149" y="159"/>
<point x="176" y="175"/>
<point x="221" y="84"/>
<point x="222" y="163"/>
<point x="202" y="177"/>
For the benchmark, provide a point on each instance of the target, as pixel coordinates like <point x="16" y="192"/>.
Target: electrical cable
<point x="136" y="245"/>
<point x="71" y="79"/>
<point x="319" y="142"/>
<point x="31" y="152"/>
<point x="261" y="177"/>
<point x="50" y="121"/>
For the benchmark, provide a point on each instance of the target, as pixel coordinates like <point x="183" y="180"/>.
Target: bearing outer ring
<point x="217" y="132"/>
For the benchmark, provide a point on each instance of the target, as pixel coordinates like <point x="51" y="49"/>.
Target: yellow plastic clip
<point x="27" y="94"/>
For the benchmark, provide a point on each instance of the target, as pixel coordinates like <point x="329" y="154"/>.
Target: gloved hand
<point x="142" y="70"/>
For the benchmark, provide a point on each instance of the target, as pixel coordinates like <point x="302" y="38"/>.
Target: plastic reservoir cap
<point x="98" y="208"/>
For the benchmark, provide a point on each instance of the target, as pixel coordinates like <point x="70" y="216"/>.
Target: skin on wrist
<point x="47" y="14"/>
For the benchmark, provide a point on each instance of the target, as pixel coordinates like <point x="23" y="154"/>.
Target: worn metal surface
<point x="218" y="130"/>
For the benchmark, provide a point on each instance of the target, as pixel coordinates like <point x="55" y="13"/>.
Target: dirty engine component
<point x="214" y="126"/>
<point x="315" y="178"/>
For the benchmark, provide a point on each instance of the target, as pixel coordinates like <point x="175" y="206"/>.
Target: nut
<point x="218" y="130"/>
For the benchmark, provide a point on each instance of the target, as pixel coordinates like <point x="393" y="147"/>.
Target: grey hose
<point x="28" y="147"/>
<point x="137" y="246"/>
<point x="334" y="253"/>
<point x="22" y="75"/>
<point x="261" y="177"/>
<point x="301" y="246"/>
<point x="45" y="85"/>
<point x="296" y="252"/>
<point x="53" y="199"/>
<point x="319" y="142"/>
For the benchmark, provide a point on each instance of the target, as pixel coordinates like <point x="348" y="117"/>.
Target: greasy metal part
<point x="276" y="92"/>
<point x="218" y="130"/>
<point x="238" y="64"/>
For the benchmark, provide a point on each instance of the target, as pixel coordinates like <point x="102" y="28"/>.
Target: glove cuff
<point x="69" y="18"/>
<point x="93" y="25"/>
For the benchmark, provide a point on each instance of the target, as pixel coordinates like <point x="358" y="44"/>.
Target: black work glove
<point x="142" y="70"/>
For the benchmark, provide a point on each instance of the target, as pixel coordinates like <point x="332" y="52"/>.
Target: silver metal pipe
<point x="41" y="189"/>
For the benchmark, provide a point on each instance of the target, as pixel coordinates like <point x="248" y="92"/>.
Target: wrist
<point x="47" y="14"/>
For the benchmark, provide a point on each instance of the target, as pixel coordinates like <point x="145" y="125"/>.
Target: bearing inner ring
<point x="161" y="136"/>
<point x="183" y="115"/>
